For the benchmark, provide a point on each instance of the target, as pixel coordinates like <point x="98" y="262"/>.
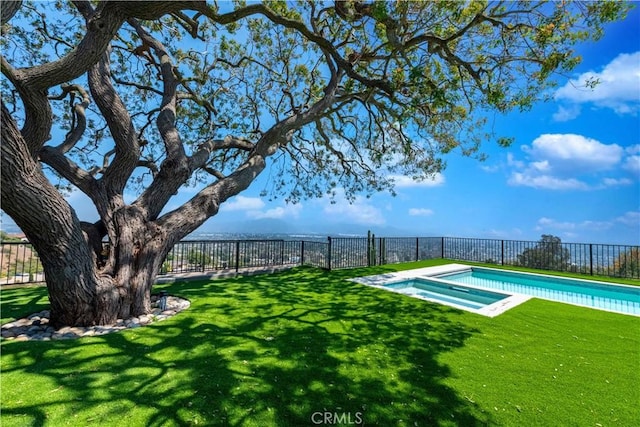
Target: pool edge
<point x="380" y="280"/>
<point x="514" y="299"/>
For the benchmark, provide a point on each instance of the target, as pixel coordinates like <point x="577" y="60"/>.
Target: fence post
<point x="302" y="253"/>
<point x="202" y="257"/>
<point x="442" y="247"/>
<point x="417" y="248"/>
<point x="591" y="258"/>
<point x="329" y="254"/>
<point x="237" y="255"/>
<point x="373" y="250"/>
<point x="282" y="253"/>
<point x="502" y="252"/>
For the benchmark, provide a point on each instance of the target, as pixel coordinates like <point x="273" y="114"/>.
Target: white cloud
<point x="360" y="211"/>
<point x="618" y="88"/>
<point x="490" y="169"/>
<point x="420" y="212"/>
<point x="511" y="161"/>
<point x="574" y="152"/>
<point x="564" y="114"/>
<point x="541" y="166"/>
<point x="545" y="224"/>
<point x="595" y="225"/>
<point x="530" y="178"/>
<point x="587" y="227"/>
<point x="277" y="212"/>
<point x="613" y="182"/>
<point x="572" y="162"/>
<point x="253" y="208"/>
<point x="402" y="181"/>
<point x="633" y="149"/>
<point x="242" y="203"/>
<point x="632" y="164"/>
<point x="631" y="218"/>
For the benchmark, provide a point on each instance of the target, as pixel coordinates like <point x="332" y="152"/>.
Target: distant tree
<point x="195" y="257"/>
<point x="146" y="97"/>
<point x="5" y="237"/>
<point x="628" y="264"/>
<point x="548" y="254"/>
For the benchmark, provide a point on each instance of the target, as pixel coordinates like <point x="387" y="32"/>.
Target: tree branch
<point x="167" y="116"/>
<point x="127" y="147"/>
<point x="324" y="44"/>
<point x="8" y="8"/>
<point x="32" y="83"/>
<point x="68" y="169"/>
<point x="78" y="113"/>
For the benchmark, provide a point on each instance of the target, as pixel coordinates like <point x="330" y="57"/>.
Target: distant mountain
<point x="268" y="226"/>
<point x="256" y="226"/>
<point x="8" y="225"/>
<point x="362" y="230"/>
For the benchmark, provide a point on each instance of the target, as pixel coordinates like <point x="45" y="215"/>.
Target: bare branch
<point x="189" y="24"/>
<point x="137" y="86"/>
<point x="78" y="113"/>
<point x="215" y="173"/>
<point x="149" y="164"/>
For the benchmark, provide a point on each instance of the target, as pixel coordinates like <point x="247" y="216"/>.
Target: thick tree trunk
<point x="80" y="294"/>
<point x="138" y="250"/>
<point x="55" y="232"/>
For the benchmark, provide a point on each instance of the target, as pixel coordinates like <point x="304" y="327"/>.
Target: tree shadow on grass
<point x="17" y="302"/>
<point x="282" y="349"/>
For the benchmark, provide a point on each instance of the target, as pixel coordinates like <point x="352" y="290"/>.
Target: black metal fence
<point x="212" y="255"/>
<point x="19" y="263"/>
<point x="585" y="258"/>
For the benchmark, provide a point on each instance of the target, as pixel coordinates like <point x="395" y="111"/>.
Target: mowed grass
<point x="273" y="350"/>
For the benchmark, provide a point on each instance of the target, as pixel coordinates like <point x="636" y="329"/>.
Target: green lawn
<point x="274" y="350"/>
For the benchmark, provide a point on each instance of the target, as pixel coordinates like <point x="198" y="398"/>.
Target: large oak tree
<point x="150" y="97"/>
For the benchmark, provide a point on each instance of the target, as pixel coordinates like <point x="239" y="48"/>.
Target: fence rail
<point x="19" y="263"/>
<point x="212" y="255"/>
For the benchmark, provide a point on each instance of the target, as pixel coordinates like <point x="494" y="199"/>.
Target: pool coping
<point x="380" y="280"/>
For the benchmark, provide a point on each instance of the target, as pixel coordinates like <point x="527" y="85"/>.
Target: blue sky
<point x="573" y="171"/>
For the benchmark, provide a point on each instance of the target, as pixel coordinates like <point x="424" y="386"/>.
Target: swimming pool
<point x="442" y="292"/>
<point x="587" y="293"/>
<point x="512" y="287"/>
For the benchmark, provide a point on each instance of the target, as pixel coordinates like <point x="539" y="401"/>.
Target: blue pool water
<point x="618" y="298"/>
<point x="446" y="293"/>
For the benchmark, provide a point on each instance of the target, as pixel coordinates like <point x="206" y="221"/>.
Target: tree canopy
<point x="347" y="94"/>
<point x="548" y="254"/>
<point x="155" y="96"/>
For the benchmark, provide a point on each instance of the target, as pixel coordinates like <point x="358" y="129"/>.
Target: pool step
<point x="441" y="297"/>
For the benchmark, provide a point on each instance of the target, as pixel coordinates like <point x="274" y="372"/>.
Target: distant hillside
<point x="277" y="226"/>
<point x="261" y="226"/>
